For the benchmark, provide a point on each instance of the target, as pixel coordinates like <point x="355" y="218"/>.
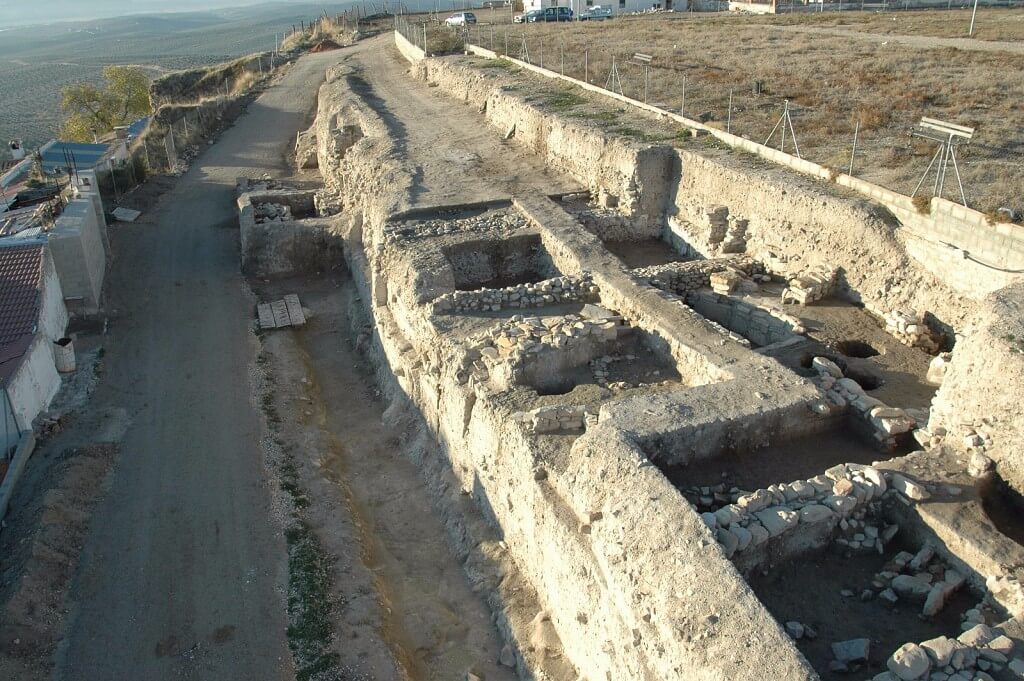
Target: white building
<point x="617" y="6"/>
<point x="32" y="318"/>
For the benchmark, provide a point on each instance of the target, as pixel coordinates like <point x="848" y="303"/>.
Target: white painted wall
<point x="35" y="383"/>
<point x="53" y="314"/>
<point x="79" y="254"/>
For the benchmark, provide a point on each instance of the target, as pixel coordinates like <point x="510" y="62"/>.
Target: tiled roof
<point x="21" y="282"/>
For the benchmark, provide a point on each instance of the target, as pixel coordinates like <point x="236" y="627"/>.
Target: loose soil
<point x="646" y="253"/>
<point x="798" y="460"/>
<point x="807" y="590"/>
<point x="404" y="606"/>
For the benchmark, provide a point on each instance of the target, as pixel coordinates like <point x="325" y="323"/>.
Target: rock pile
<point x="554" y="419"/>
<point x="810" y="286"/>
<point x="608" y="224"/>
<point x="916" y="578"/>
<point x="498" y="221"/>
<point x="976" y="655"/>
<point x="520" y="336"/>
<point x="909" y="327"/>
<point x="272" y="212"/>
<point x="757" y="516"/>
<point x="888" y="423"/>
<point x="539" y="294"/>
<point x="683" y="277"/>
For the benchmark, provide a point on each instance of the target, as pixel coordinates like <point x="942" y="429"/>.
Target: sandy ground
<point x="404" y="606"/>
<point x="822" y="576"/>
<point x="459" y="156"/>
<point x="183" y="572"/>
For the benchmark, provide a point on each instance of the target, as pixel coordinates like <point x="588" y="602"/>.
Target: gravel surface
<point x="184" y="571"/>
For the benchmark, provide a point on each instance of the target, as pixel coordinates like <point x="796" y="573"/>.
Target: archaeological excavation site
<point x="685" y="412"/>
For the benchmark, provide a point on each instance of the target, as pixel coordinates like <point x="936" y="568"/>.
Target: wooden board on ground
<point x="281" y="313"/>
<point x="291" y="301"/>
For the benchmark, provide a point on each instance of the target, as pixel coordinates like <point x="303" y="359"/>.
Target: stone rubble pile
<point x="909" y="327"/>
<point x="684" y="277"/>
<point x="857" y="534"/>
<point x="264" y="184"/>
<point x="538" y="294"/>
<point x="520" y="336"/>
<point x="607" y="224"/>
<point x="977" y="654"/>
<point x="272" y="212"/>
<point x="937" y="367"/>
<point x="915" y="578"/>
<point x="555" y="419"/>
<point x="810" y="286"/>
<point x="758" y="516"/>
<point x="601" y="369"/>
<point x="888" y="423"/>
<point x="499" y="221"/>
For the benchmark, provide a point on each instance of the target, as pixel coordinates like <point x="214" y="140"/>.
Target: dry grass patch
<point x="834" y="86"/>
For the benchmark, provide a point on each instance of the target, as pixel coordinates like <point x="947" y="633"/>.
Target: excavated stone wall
<point x="792" y="224"/>
<point x="618" y="559"/>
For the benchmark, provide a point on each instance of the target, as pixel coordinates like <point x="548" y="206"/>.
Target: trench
<point x="431" y="621"/>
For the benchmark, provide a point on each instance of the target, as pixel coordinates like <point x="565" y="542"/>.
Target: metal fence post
<point x="728" y="124"/>
<point x="586" y="66"/>
<point x="682" y="106"/>
<point x="853" y="153"/>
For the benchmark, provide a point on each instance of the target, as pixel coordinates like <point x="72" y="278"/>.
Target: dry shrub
<point x="872" y="116"/>
<point x="923" y="204"/>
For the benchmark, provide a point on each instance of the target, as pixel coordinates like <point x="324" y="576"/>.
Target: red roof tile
<point x="21" y="283"/>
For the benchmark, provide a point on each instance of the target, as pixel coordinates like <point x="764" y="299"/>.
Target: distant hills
<point x="37" y="61"/>
<point x="23" y="12"/>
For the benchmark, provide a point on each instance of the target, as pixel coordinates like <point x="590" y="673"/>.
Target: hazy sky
<point x="15" y="12"/>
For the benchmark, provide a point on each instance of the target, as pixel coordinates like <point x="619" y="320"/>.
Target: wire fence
<point x="852" y="142"/>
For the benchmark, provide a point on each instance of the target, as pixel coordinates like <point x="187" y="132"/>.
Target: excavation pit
<point x="853" y="338"/>
<point x="497" y="264"/>
<point x="823" y="590"/>
<point x="760" y="325"/>
<point x="644" y="253"/>
<point x="631" y="360"/>
<point x="799" y="459"/>
<point x="1004" y="506"/>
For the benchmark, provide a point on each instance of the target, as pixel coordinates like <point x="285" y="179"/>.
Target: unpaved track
<point x="460" y="158"/>
<point x="184" y="569"/>
<point x="926" y="42"/>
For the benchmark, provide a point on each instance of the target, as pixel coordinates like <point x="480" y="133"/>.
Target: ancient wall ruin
<point x="653" y="452"/>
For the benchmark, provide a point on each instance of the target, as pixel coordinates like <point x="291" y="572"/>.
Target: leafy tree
<point x="90" y="111"/>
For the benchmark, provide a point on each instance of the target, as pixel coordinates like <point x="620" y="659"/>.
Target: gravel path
<point x="184" y="570"/>
<point x="923" y="41"/>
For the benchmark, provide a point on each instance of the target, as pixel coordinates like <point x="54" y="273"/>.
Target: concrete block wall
<point x="79" y="256"/>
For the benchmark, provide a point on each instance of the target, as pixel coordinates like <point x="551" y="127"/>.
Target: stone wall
<point x="977" y="407"/>
<point x="283" y="247"/>
<point x="617" y="558"/>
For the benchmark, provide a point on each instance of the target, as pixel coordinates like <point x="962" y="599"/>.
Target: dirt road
<point x="184" y="570"/>
<point x="459" y="156"/>
<point x="926" y="42"/>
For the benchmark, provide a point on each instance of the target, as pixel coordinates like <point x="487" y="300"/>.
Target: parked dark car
<point x="550" y="14"/>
